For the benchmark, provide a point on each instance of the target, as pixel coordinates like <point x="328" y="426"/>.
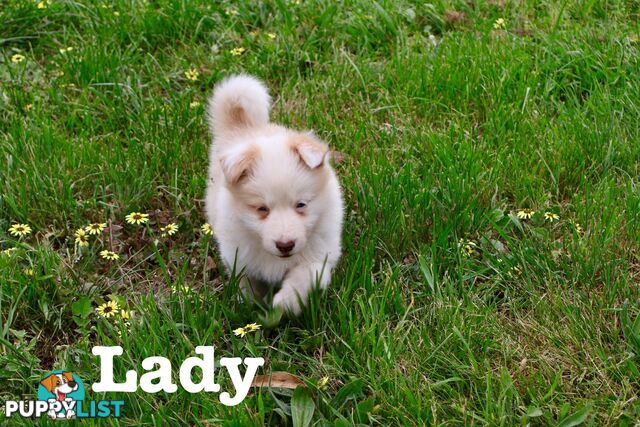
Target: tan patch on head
<point x="50" y="382"/>
<point x="68" y="376"/>
<point x="311" y="150"/>
<point x="237" y="165"/>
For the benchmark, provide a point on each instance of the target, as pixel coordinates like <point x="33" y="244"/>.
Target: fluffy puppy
<point x="273" y="199"/>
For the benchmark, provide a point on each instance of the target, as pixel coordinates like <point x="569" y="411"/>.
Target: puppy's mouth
<point x="61" y="395"/>
<point x="285" y="256"/>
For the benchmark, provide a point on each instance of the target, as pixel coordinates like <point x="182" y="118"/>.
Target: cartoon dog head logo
<point x="61" y="386"/>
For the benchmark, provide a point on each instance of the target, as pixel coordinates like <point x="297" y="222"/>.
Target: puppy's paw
<point x="288" y="300"/>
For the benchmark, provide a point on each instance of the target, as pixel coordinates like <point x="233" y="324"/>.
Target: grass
<point x="443" y="139"/>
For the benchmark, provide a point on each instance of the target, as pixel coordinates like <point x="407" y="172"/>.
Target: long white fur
<point x="239" y="120"/>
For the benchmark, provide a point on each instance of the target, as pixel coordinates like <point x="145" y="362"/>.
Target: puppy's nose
<point x="72" y="384"/>
<point x="285" y="246"/>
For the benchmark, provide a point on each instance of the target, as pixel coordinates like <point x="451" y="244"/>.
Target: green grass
<point x="540" y="324"/>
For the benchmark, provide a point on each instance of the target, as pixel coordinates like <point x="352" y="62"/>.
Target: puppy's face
<point x="277" y="184"/>
<point x="60" y="384"/>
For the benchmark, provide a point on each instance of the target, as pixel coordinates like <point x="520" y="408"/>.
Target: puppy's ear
<point x="49" y="383"/>
<point x="311" y="150"/>
<point x="68" y="376"/>
<point x="238" y="162"/>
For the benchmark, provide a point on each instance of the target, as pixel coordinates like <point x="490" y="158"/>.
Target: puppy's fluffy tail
<point x="238" y="102"/>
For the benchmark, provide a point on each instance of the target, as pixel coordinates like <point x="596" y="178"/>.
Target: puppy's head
<point x="62" y="383"/>
<point x="278" y="183"/>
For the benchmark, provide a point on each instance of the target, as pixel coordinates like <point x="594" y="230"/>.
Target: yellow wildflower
<point x="169" y="229"/>
<point x="17" y="58"/>
<point x="251" y="327"/>
<point x="323" y="382"/>
<point x="240" y="332"/>
<point x="110" y="255"/>
<point x="137" y="218"/>
<point x="271" y="35"/>
<point x="108" y="309"/>
<point x="194" y="104"/>
<point x="95" y="228"/>
<point x="29" y="271"/>
<point x="192" y="74"/>
<point x="9" y="251"/>
<point x="499" y="24"/>
<point x="237" y="51"/>
<point x="81" y="237"/>
<point x="525" y="213"/>
<point x="20" y="230"/>
<point x="467" y="247"/>
<point x="551" y="217"/>
<point x="206" y="229"/>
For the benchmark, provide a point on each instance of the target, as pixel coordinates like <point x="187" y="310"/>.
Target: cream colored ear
<point x="238" y="162"/>
<point x="311" y="150"/>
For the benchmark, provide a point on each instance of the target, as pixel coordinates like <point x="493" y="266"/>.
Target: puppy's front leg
<point x="298" y="283"/>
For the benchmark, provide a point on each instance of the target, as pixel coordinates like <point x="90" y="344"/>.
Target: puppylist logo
<point x="61" y="396"/>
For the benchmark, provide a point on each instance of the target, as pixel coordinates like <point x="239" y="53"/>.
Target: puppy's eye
<point x="301" y="205"/>
<point x="262" y="210"/>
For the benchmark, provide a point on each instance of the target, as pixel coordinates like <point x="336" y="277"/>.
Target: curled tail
<point x="238" y="102"/>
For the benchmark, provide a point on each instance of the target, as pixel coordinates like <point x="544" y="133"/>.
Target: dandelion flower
<point x="28" y="271"/>
<point x="240" y="332"/>
<point x="17" y="58"/>
<point x="108" y="309"/>
<point x="237" y="51"/>
<point x="323" y="382"/>
<point x="271" y="35"/>
<point x="82" y="239"/>
<point x="206" y="229"/>
<point x="42" y="5"/>
<point x="467" y="247"/>
<point x="551" y="217"/>
<point x="525" y="213"/>
<point x="20" y="230"/>
<point x="252" y="327"/>
<point x="110" y="255"/>
<point x="95" y="228"/>
<point x="499" y="24"/>
<point x="192" y="74"/>
<point x="169" y="229"/>
<point x="137" y="218"/>
<point x="194" y="104"/>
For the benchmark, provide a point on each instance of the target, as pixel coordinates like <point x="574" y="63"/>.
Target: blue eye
<point x="301" y="205"/>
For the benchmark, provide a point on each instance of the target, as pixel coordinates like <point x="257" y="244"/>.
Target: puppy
<point x="273" y="199"/>
<point x="60" y="385"/>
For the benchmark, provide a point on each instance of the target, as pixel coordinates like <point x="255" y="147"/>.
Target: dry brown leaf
<point x="277" y="380"/>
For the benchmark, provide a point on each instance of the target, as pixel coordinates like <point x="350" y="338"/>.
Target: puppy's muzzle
<point x="285" y="247"/>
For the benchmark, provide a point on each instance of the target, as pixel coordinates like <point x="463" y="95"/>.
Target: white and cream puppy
<point x="273" y="199"/>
